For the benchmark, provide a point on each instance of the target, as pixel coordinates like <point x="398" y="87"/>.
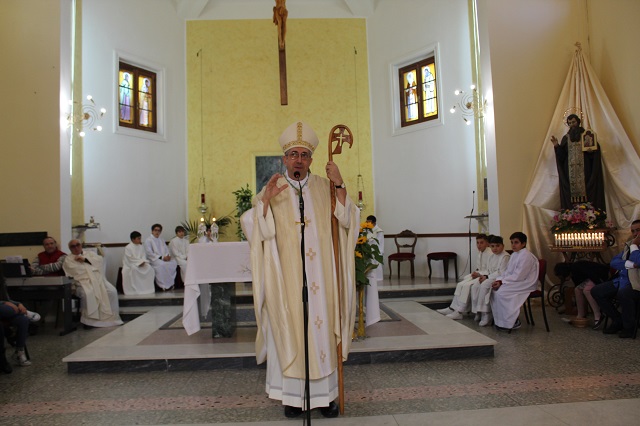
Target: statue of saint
<point x="579" y="170"/>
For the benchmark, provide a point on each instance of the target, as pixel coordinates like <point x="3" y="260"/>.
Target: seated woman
<point x="14" y="314"/>
<point x="585" y="276"/>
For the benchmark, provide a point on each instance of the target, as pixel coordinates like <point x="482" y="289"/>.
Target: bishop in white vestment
<point x="137" y="274"/>
<point x="273" y="228"/>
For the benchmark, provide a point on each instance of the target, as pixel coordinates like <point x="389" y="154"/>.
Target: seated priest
<point x="137" y="274"/>
<point x="160" y="259"/>
<point x="98" y="297"/>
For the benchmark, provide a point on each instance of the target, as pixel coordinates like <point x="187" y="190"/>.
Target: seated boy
<point x="461" y="297"/>
<point x="137" y="274"/>
<point x="179" y="250"/>
<point x="160" y="259"/>
<point x="511" y="289"/>
<point x="481" y="293"/>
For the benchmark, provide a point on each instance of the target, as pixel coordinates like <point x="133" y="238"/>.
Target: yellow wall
<point x="29" y="131"/>
<point x="613" y="44"/>
<point x="241" y="112"/>
<point x="532" y="45"/>
<point x="77" y="155"/>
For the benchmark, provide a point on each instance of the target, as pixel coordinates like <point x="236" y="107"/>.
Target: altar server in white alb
<point x="481" y="292"/>
<point x="179" y="250"/>
<point x="160" y="259"/>
<point x="273" y="228"/>
<point x="511" y="290"/>
<point x="137" y="274"/>
<point x="98" y="297"/>
<point x="460" y="304"/>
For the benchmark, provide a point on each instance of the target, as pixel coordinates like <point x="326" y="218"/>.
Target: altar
<point x="212" y="273"/>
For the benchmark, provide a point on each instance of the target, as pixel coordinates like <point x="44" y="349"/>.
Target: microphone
<point x="473" y="202"/>
<point x="296" y="175"/>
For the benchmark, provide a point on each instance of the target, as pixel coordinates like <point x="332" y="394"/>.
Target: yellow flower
<point x="359" y="255"/>
<point x="362" y="240"/>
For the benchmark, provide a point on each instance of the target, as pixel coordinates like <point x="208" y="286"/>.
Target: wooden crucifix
<point x="280" y="19"/>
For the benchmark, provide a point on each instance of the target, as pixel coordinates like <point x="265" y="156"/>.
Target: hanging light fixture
<point x="202" y="186"/>
<point x="361" y="205"/>
<point x="471" y="104"/>
<point x="85" y="116"/>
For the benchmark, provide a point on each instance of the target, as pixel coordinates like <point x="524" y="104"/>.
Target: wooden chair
<point x="528" y="314"/>
<point x="445" y="256"/>
<point x="406" y="240"/>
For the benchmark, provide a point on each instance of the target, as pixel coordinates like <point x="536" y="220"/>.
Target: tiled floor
<point x="569" y="376"/>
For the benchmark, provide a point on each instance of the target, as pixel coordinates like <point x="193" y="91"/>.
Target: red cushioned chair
<point x="528" y="314"/>
<point x="406" y="240"/>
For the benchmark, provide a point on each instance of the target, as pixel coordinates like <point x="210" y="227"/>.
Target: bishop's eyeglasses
<point x="295" y="154"/>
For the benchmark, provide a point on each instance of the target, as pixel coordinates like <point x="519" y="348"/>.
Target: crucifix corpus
<point x="280" y="19"/>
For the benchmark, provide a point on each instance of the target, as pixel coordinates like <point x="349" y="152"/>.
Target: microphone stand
<point x="305" y="306"/>
<point x="473" y="206"/>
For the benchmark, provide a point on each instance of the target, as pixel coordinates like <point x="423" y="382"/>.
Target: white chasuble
<point x="277" y="286"/>
<point x="99" y="298"/>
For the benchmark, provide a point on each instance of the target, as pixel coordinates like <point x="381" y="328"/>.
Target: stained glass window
<point x="137" y="98"/>
<point x="418" y="95"/>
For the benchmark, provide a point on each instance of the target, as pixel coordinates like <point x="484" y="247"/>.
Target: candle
<point x="359" y="195"/>
<point x="202" y="198"/>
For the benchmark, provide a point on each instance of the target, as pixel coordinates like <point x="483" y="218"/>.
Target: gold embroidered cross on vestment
<point x="311" y="254"/>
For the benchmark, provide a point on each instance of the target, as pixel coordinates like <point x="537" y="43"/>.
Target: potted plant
<point x="243" y="203"/>
<point x="368" y="258"/>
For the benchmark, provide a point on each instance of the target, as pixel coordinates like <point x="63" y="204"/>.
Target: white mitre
<point x="298" y="135"/>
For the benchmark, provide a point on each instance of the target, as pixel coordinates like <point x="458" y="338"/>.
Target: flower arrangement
<point x="366" y="254"/>
<point x="582" y="217"/>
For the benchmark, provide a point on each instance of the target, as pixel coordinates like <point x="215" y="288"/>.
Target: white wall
<point x="132" y="182"/>
<point x="424" y="179"/>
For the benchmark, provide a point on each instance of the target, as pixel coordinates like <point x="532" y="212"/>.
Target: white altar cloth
<point x="212" y="263"/>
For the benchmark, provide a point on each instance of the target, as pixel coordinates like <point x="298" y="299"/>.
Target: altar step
<point x="420" y="334"/>
<point x="433" y="291"/>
